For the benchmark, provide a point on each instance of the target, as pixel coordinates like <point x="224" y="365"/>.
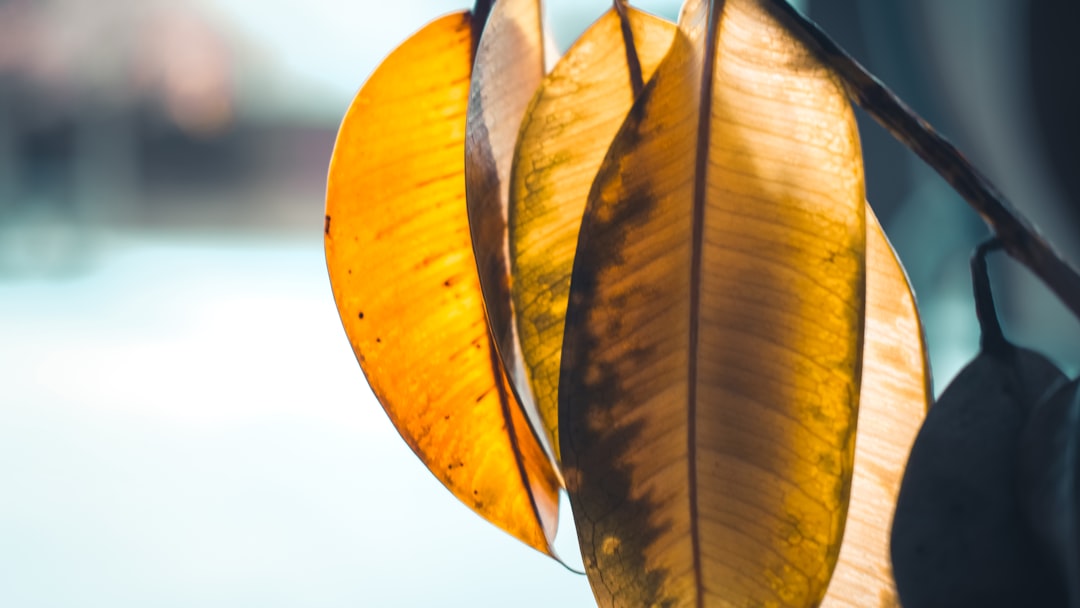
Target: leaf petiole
<point x="993" y="339"/>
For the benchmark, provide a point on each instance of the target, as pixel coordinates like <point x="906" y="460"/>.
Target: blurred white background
<point x="182" y="421"/>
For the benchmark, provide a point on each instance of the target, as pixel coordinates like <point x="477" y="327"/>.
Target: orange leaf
<point x="406" y="285"/>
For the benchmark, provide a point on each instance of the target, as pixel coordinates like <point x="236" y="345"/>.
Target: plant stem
<point x="1018" y="237"/>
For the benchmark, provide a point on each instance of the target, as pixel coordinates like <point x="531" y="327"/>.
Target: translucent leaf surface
<point x="892" y="405"/>
<point x="406" y="285"/>
<point x="567" y="130"/>
<point x="710" y="374"/>
<point x="509" y="68"/>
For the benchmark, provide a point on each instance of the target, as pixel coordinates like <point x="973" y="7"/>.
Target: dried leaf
<point x="509" y="68"/>
<point x="567" y="130"/>
<point x="710" y="376"/>
<point x="892" y="404"/>
<point x="406" y="285"/>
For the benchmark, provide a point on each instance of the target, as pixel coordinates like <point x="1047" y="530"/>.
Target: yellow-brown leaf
<point x="406" y="285"/>
<point x="509" y="68"/>
<point x="567" y="130"/>
<point x="710" y="368"/>
<point x="893" y="403"/>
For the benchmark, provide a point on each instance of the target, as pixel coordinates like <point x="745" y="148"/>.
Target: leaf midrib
<point x="697" y="227"/>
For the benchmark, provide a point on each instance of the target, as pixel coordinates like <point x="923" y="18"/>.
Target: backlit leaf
<point x="892" y="404"/>
<point x="567" y="130"/>
<point x="405" y="281"/>
<point x="509" y="68"/>
<point x="710" y="367"/>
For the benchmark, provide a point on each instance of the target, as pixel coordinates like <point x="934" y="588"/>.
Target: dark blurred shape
<point x="964" y="66"/>
<point x="1054" y="65"/>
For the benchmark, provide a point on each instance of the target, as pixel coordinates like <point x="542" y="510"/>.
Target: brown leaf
<point x="567" y="130"/>
<point x="509" y="68"/>
<point x="710" y="368"/>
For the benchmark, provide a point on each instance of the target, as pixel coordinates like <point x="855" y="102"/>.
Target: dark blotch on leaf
<point x="613" y="528"/>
